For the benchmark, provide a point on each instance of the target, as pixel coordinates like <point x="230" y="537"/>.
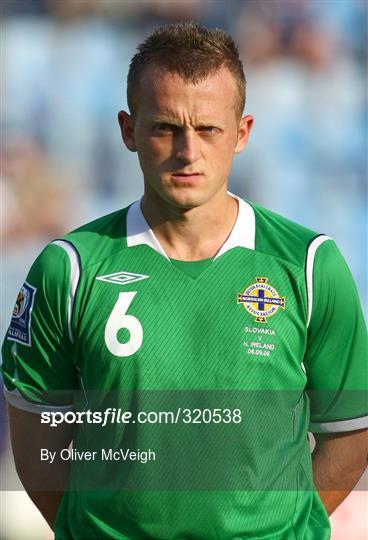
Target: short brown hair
<point x="191" y="50"/>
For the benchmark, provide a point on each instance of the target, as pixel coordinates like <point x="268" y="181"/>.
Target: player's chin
<point x="186" y="198"/>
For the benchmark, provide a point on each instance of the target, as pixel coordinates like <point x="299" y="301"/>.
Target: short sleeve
<point x="37" y="353"/>
<point x="336" y="360"/>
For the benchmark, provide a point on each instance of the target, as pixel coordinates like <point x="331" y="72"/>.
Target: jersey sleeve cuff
<point x="339" y="426"/>
<point x="15" y="398"/>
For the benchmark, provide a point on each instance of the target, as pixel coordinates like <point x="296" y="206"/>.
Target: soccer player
<point x="245" y="325"/>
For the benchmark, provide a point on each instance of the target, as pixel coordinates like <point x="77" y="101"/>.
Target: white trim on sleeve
<point x="74" y="278"/>
<point x="312" y="248"/>
<point x="340" y="425"/>
<point x="15" y="398"/>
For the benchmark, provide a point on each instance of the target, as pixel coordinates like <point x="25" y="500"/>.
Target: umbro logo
<point x="122" y="278"/>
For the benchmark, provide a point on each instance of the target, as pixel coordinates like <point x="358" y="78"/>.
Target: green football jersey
<point x="222" y="365"/>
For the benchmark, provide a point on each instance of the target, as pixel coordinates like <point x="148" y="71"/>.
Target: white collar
<point x="242" y="234"/>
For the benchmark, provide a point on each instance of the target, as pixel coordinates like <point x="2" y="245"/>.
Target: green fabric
<point x="192" y="268"/>
<point x="168" y="341"/>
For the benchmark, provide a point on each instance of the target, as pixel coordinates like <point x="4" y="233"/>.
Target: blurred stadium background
<point x="64" y="66"/>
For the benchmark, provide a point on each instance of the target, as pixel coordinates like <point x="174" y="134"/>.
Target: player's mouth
<point x="185" y="178"/>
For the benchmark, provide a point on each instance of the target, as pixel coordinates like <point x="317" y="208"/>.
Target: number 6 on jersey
<point x="118" y="320"/>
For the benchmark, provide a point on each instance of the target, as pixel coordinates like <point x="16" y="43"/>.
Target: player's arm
<point x="39" y="375"/>
<point x="44" y="482"/>
<point x="336" y="370"/>
<point x="339" y="460"/>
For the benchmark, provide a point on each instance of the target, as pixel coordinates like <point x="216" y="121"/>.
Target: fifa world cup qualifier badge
<point x="261" y="300"/>
<point x="20" y="325"/>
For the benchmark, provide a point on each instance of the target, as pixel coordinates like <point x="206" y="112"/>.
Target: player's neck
<point x="194" y="234"/>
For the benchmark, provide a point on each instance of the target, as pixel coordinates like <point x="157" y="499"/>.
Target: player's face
<point x="185" y="135"/>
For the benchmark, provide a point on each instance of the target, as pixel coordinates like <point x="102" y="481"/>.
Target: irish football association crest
<point x="261" y="300"/>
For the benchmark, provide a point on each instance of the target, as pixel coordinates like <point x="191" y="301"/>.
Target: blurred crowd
<point x="63" y="79"/>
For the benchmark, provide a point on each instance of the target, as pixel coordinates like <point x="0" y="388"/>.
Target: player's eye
<point x="211" y="130"/>
<point x="163" y="128"/>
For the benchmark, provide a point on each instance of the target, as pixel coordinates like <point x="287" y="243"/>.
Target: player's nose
<point x="187" y="147"/>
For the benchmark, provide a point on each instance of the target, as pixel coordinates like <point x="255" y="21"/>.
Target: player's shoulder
<point x="85" y="245"/>
<point x="281" y="237"/>
<point x="97" y="239"/>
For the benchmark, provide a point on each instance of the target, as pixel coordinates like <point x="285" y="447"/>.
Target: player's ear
<point x="245" y="126"/>
<point x="126" y="123"/>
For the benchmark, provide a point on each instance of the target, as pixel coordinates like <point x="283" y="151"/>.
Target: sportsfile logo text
<point x="118" y="416"/>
